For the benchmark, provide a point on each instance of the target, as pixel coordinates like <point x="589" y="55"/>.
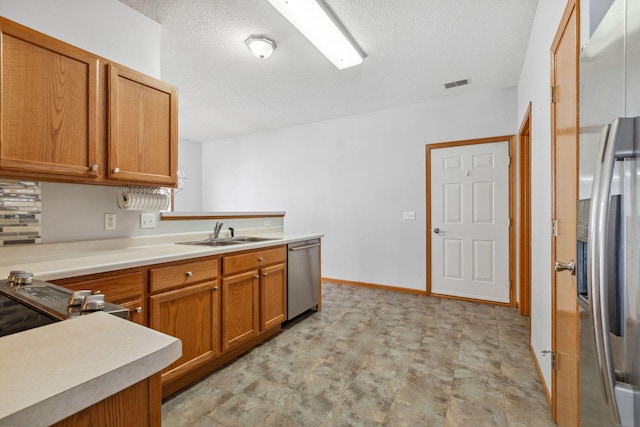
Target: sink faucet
<point x="232" y="230"/>
<point x="216" y="229"/>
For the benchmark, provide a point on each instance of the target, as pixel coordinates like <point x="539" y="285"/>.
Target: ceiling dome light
<point x="260" y="46"/>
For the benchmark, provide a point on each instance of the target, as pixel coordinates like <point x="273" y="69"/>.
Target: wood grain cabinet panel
<point x="191" y="314"/>
<point x="138" y="405"/>
<point x="50" y="106"/>
<point x="122" y="288"/>
<point x="240" y="306"/>
<point x="273" y="296"/>
<point x="186" y="273"/>
<point x="143" y="130"/>
<point x="254" y="259"/>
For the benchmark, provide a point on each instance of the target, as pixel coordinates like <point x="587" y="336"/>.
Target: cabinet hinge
<point x="509" y="161"/>
<point x="508" y="222"/>
<point x="553" y="94"/>
<point x="554" y="227"/>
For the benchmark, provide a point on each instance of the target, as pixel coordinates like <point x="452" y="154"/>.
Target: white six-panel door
<point x="470" y="221"/>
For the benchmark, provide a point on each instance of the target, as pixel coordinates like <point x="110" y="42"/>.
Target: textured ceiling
<point x="413" y="48"/>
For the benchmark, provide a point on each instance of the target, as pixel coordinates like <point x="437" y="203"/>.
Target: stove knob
<point x="77" y="297"/>
<point x="22" y="278"/>
<point x="11" y="280"/>
<point x="93" y="302"/>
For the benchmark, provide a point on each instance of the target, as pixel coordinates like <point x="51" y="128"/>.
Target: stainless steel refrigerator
<point x="608" y="247"/>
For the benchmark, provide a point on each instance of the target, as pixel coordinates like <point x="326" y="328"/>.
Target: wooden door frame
<point x="524" y="214"/>
<point x="511" y="139"/>
<point x="566" y="16"/>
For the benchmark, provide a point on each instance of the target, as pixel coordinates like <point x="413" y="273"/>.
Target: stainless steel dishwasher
<point x="302" y="277"/>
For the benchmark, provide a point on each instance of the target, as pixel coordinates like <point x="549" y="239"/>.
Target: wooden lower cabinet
<point x="125" y="288"/>
<point x="273" y="296"/>
<point x="137" y="405"/>
<point x="191" y="314"/>
<point x="240" y="309"/>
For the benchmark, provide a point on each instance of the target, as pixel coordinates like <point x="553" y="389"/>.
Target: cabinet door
<point x="240" y="308"/>
<point x="273" y="296"/>
<point x="49" y="106"/>
<point x="191" y="314"/>
<point x="143" y="128"/>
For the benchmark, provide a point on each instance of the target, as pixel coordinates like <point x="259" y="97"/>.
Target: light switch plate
<point x="109" y="221"/>
<point x="408" y="216"/>
<point x="147" y="220"/>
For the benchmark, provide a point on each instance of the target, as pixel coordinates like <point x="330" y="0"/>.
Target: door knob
<point x="570" y="266"/>
<point x="437" y="230"/>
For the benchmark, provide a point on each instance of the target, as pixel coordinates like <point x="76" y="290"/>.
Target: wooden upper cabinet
<point x="49" y="106"/>
<point x="143" y="131"/>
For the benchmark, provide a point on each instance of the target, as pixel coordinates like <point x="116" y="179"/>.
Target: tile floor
<point x="377" y="358"/>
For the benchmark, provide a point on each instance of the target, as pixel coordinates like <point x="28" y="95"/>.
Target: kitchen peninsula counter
<point x="54" y="371"/>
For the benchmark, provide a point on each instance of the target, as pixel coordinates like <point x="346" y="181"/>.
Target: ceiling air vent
<point x="456" y="84"/>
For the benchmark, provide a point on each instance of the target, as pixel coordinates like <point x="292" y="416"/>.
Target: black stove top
<point x="17" y="317"/>
<point x="27" y="303"/>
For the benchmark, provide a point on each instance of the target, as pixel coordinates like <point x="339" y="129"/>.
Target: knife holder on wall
<point x="133" y="198"/>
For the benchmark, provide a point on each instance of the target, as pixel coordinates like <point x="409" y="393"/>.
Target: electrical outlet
<point x="267" y="223"/>
<point x="148" y="220"/>
<point x="110" y="221"/>
<point x="408" y="216"/>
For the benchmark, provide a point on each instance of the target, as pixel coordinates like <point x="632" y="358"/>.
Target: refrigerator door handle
<point x="597" y="252"/>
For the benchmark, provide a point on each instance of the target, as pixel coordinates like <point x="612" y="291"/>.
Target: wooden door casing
<point x="564" y="158"/>
<point x="511" y="212"/>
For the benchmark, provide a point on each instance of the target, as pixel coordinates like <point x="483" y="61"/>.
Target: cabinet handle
<point x="116" y="170"/>
<point x="256" y="277"/>
<point x="265" y="274"/>
<point x="138" y="310"/>
<point x="215" y="288"/>
<point x="260" y="259"/>
<point x="93" y="167"/>
<point x="189" y="274"/>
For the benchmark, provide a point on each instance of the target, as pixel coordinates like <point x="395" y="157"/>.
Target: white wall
<point x="534" y="86"/>
<point x="190" y="160"/>
<point x="352" y="178"/>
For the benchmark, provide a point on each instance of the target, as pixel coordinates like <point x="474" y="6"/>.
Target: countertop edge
<point x="65" y="402"/>
<point x="54" y="268"/>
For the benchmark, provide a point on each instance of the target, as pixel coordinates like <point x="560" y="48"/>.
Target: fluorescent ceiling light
<point x="316" y="22"/>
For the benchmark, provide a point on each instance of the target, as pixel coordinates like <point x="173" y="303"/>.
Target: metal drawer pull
<point x="189" y="274"/>
<point x="93" y="167"/>
<point x="116" y="170"/>
<point x="299" y="248"/>
<point x="138" y="310"/>
<point x="265" y="274"/>
<point x="256" y="277"/>
<point x="260" y="259"/>
<point x="215" y="288"/>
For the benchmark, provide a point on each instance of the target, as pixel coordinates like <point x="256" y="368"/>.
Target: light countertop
<point x="61" y="260"/>
<point x="51" y="372"/>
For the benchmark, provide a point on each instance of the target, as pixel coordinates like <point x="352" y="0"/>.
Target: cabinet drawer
<point x="247" y="261"/>
<point x="116" y="289"/>
<point x="173" y="276"/>
<point x="136" y="311"/>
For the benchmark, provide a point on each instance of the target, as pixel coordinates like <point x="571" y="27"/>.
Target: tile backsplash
<point x="20" y="212"/>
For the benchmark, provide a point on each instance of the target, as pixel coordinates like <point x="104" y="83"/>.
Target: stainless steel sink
<point x="252" y="239"/>
<point x="211" y="242"/>
<point x="232" y="241"/>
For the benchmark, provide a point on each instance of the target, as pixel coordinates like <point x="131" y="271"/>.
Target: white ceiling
<point x="413" y="47"/>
